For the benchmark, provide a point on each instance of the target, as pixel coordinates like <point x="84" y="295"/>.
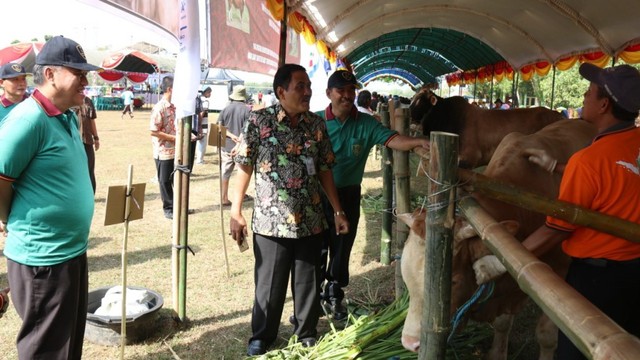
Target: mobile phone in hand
<point x="244" y="245"/>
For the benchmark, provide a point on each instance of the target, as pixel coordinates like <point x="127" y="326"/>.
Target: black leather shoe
<point x="308" y="342"/>
<point x="293" y="321"/>
<point x="256" y="347"/>
<point x="338" y="310"/>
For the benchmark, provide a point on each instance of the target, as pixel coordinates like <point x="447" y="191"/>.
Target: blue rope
<point x="478" y="297"/>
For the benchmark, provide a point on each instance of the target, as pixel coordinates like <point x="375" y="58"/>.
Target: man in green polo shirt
<point x="13" y="79"/>
<point x="352" y="135"/>
<point x="46" y="206"/>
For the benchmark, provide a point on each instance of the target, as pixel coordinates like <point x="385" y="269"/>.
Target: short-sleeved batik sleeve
<point x="325" y="150"/>
<point x="247" y="150"/>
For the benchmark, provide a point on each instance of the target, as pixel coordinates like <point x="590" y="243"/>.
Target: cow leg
<point x="547" y="335"/>
<point x="501" y="327"/>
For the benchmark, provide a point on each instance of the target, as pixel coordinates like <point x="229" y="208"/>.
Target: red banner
<point x="244" y="36"/>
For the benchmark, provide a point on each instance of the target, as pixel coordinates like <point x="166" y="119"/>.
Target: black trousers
<point x="164" y="169"/>
<point x="337" y="248"/>
<point x="52" y="303"/>
<point x="613" y="287"/>
<point x="276" y="258"/>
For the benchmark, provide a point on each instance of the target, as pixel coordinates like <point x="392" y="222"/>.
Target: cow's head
<point x="422" y="104"/>
<point x="467" y="247"/>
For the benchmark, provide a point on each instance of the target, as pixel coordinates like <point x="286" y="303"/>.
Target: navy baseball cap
<point x="64" y="52"/>
<point x="341" y="78"/>
<point x="12" y="70"/>
<point x="621" y="82"/>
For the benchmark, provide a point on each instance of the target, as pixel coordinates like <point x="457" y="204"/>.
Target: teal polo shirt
<point x="351" y="142"/>
<point x="42" y="154"/>
<point x="5" y="107"/>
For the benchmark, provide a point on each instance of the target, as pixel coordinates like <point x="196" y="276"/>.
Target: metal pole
<point x="553" y="86"/>
<point x="441" y="192"/>
<point x="282" y="59"/>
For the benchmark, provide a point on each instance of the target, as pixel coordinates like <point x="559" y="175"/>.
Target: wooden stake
<point x="439" y="245"/>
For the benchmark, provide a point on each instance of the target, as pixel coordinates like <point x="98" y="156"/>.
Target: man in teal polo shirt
<point x="13" y="79"/>
<point x="352" y="135"/>
<point x="46" y="206"/>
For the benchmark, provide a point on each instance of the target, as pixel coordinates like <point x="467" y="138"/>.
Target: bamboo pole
<point x="175" y="238"/>
<point x="125" y="237"/>
<point x="402" y="180"/>
<point x="439" y="238"/>
<point x="184" y="217"/>
<point x="559" y="209"/>
<point x="387" y="195"/>
<point x="595" y="334"/>
<point x="221" y="142"/>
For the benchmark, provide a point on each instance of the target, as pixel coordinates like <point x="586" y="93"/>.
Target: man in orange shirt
<point x="603" y="177"/>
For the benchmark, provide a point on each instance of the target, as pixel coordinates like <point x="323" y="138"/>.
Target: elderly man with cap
<point x="46" y="206"/>
<point x="233" y="117"/>
<point x="353" y="134"/>
<point x="13" y="79"/>
<point x="603" y="177"/>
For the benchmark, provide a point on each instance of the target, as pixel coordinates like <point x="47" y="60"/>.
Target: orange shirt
<point x="603" y="177"/>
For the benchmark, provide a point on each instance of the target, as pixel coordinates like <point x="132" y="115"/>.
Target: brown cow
<point x="509" y="164"/>
<point x="480" y="130"/>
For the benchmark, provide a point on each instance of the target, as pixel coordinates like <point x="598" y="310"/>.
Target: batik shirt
<point x="163" y="117"/>
<point x="286" y="163"/>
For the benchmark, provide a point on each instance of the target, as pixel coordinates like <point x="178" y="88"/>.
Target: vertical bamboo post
<point x="184" y="216"/>
<point x="175" y="238"/>
<point x="403" y="196"/>
<point x="442" y="171"/>
<point x="180" y="216"/>
<point x="387" y="195"/>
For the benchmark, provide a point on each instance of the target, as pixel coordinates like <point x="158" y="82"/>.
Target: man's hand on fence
<point x="488" y="268"/>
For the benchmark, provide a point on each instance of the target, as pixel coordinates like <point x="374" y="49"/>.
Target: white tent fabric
<point x="522" y="31"/>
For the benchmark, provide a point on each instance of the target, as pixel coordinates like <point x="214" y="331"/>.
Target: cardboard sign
<point x="217" y="135"/>
<point x="116" y="200"/>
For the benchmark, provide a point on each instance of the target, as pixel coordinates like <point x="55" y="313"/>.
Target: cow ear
<point x="433" y="100"/>
<point x="511" y="226"/>
<point x="465" y="231"/>
<point x="406" y="218"/>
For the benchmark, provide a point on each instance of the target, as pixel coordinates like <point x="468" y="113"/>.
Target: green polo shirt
<point x="5" y="107"/>
<point x="42" y="154"/>
<point x="351" y="142"/>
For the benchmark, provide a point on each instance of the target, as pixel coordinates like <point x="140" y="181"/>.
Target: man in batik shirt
<point x="289" y="149"/>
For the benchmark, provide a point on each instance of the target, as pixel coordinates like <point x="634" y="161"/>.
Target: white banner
<point x="187" y="74"/>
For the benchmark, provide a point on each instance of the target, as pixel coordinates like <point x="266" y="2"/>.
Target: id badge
<point x="311" y="166"/>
